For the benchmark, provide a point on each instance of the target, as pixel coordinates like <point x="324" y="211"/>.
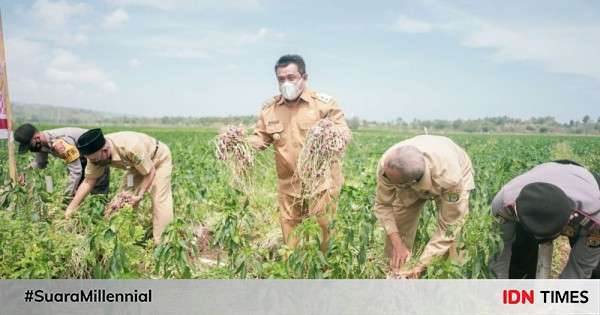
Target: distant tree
<point x="354" y="123"/>
<point x="457" y="124"/>
<point x="586" y="119"/>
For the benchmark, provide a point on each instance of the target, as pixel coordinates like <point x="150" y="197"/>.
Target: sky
<point x="381" y="60"/>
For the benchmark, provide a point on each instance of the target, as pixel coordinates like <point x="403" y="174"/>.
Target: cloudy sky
<point x="381" y="59"/>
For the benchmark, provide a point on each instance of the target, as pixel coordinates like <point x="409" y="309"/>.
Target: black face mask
<point x="35" y="147"/>
<point x="103" y="162"/>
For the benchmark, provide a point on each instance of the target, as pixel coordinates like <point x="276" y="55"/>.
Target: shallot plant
<point x="325" y="145"/>
<point x="236" y="153"/>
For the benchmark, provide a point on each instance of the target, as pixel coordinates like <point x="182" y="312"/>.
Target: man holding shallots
<point x="148" y="165"/>
<point x="410" y="173"/>
<point x="287" y="121"/>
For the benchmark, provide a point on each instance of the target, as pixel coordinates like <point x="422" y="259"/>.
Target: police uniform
<point x="61" y="144"/>
<point x="136" y="153"/>
<point x="447" y="179"/>
<point x="285" y="127"/>
<point x="518" y="258"/>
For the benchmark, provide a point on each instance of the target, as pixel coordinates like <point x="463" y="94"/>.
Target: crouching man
<point x="552" y="199"/>
<point x="410" y="173"/>
<point x="148" y="165"/>
<point x="59" y="143"/>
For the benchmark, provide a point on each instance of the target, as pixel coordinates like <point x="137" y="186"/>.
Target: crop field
<point x="222" y="233"/>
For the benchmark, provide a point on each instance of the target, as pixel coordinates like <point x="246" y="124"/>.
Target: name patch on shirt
<point x="593" y="239"/>
<point x="453" y="196"/>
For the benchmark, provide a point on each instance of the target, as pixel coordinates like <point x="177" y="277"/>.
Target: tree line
<point x="54" y="115"/>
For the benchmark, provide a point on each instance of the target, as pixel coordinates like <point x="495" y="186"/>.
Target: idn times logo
<point x="513" y="296"/>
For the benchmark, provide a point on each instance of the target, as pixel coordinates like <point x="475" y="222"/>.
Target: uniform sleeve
<point x="41" y="160"/>
<point x="94" y="171"/>
<point x="260" y="138"/>
<point x="500" y="263"/>
<point x="336" y="115"/>
<point x="582" y="260"/>
<point x="504" y="222"/>
<point x="141" y="162"/>
<point x="75" y="173"/>
<point x="384" y="198"/>
<point x="452" y="210"/>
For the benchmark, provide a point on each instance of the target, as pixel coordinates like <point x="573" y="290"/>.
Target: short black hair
<point x="285" y="60"/>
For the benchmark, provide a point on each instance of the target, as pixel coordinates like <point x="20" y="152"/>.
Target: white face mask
<point x="289" y="90"/>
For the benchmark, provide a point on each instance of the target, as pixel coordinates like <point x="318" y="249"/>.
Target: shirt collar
<point x="306" y="96"/>
<point x="114" y="154"/>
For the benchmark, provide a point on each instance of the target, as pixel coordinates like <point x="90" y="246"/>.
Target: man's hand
<point x="414" y="273"/>
<point x="84" y="189"/>
<point x="400" y="253"/>
<point x="21" y="179"/>
<point x="58" y="147"/>
<point x="135" y="200"/>
<point x="69" y="212"/>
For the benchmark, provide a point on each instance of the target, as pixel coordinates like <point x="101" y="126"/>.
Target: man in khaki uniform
<point x="148" y="165"/>
<point x="284" y="122"/>
<point x="408" y="174"/>
<point x="59" y="143"/>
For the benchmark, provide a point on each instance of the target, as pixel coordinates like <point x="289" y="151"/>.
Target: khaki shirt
<point x="448" y="175"/>
<point x="286" y="126"/>
<point x="132" y="151"/>
<point x="69" y="136"/>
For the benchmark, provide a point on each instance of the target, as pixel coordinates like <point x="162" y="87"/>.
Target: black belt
<point x="155" y="149"/>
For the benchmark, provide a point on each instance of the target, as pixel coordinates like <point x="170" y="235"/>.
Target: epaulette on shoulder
<point x="323" y="97"/>
<point x="269" y="102"/>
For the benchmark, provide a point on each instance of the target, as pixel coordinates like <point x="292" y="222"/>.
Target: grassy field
<point x="221" y="233"/>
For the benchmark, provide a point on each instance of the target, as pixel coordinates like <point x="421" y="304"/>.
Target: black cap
<point x="23" y="135"/>
<point x="90" y="141"/>
<point x="543" y="209"/>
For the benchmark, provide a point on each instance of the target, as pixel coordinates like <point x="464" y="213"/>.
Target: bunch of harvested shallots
<point x="236" y="153"/>
<point x="120" y="201"/>
<point x="325" y="144"/>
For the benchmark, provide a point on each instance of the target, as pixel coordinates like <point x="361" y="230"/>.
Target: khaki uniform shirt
<point x="285" y="125"/>
<point x="448" y="176"/>
<point x="69" y="136"/>
<point x="580" y="185"/>
<point x="132" y="151"/>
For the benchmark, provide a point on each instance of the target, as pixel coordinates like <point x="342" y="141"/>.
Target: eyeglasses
<point x="406" y="185"/>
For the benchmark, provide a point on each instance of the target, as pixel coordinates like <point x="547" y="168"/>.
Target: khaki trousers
<point x="160" y="193"/>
